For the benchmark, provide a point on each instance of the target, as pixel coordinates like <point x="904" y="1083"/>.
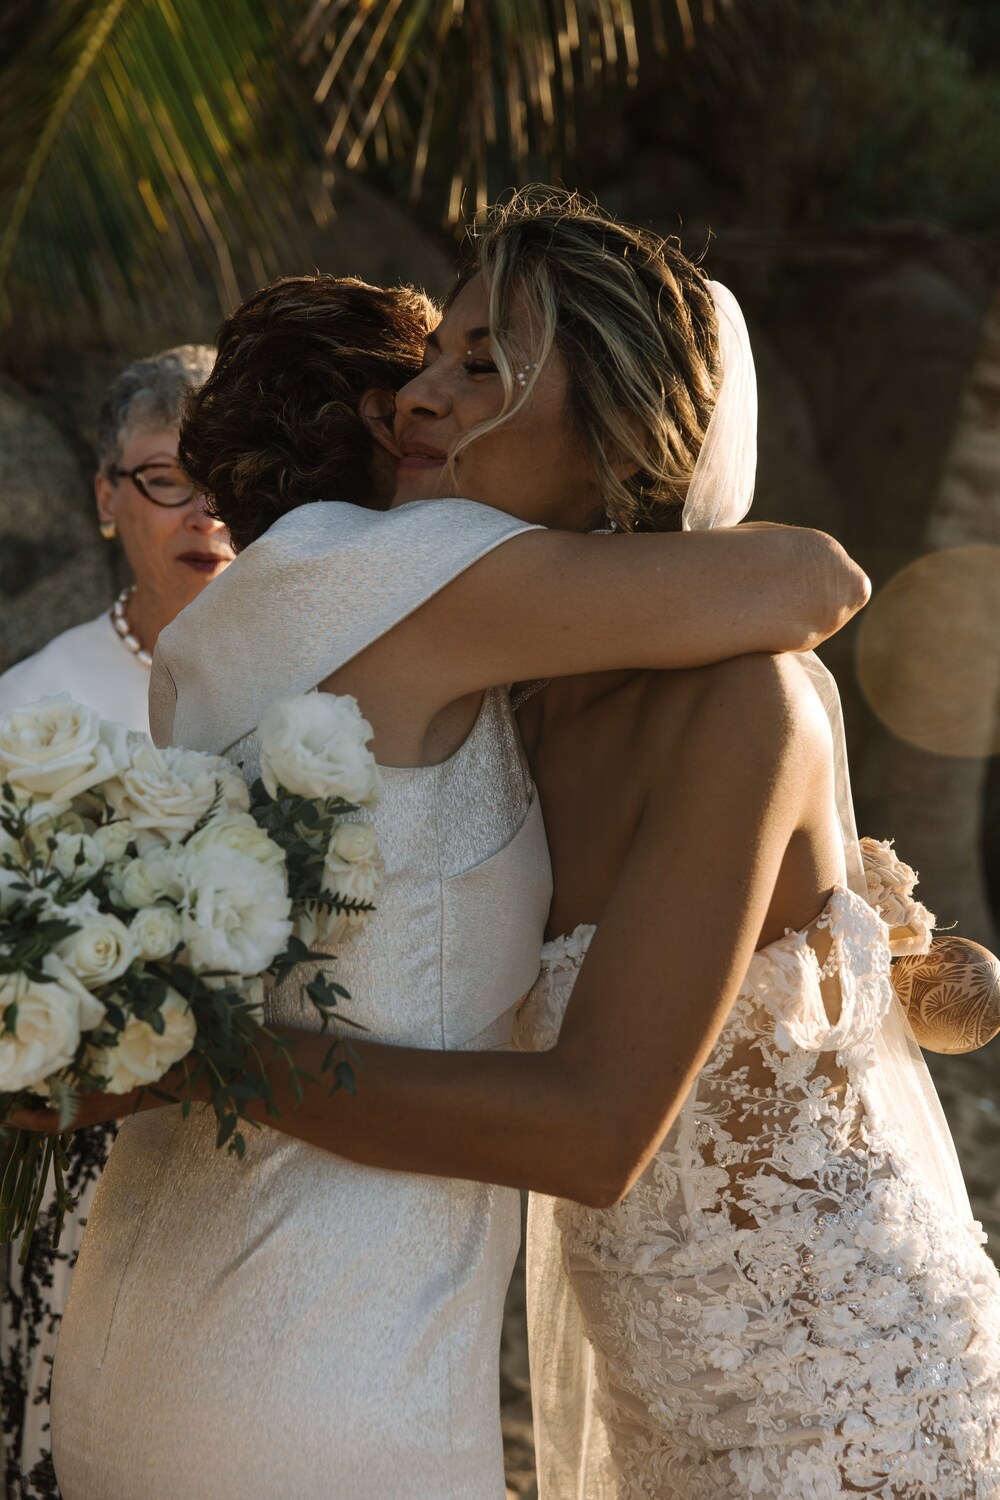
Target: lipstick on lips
<point x="203" y="562"/>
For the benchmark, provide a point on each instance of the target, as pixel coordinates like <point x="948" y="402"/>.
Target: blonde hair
<point x="635" y="322"/>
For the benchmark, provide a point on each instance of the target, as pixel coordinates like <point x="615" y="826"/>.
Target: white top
<point x="90" y="663"/>
<point x="318" y="587"/>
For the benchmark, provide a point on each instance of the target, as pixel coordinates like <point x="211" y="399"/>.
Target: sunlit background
<point x="836" y="161"/>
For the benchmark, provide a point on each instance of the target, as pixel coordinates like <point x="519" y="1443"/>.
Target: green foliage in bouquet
<point x="144" y="897"/>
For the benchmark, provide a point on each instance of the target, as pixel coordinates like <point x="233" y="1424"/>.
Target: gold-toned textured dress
<point x="295" y="1325"/>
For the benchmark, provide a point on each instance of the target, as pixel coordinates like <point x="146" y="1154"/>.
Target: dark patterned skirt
<point x="31" y="1310"/>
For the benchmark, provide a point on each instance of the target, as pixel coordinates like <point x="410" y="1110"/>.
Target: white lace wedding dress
<point x="787" y="1303"/>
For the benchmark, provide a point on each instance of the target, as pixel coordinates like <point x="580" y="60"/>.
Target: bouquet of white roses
<point x="145" y="894"/>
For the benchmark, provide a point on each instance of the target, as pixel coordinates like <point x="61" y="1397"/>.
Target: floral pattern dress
<point x="782" y="1305"/>
<point x="31" y="1310"/>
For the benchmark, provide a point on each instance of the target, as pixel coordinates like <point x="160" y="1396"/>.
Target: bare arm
<point x="689" y="908"/>
<point x="550" y="603"/>
<point x="691" y="904"/>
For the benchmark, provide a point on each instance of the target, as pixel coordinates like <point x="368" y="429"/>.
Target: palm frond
<point x="493" y="88"/>
<point x="143" y="130"/>
<point x="163" y="143"/>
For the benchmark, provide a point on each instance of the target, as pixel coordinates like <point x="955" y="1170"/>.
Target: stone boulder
<point x="54" y="569"/>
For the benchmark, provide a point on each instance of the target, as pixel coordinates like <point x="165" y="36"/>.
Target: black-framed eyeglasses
<point x="162" y="483"/>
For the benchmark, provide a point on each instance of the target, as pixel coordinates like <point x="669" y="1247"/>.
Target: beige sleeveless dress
<point x="295" y="1325"/>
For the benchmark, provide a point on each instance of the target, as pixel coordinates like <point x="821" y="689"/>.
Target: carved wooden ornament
<point x="951" y="995"/>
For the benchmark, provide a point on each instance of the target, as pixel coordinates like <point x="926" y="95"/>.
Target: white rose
<point x="148" y="879"/>
<point x="57" y="749"/>
<point x="101" y="949"/>
<point x="46" y="1026"/>
<point x="156" y="931"/>
<point x="113" y="839"/>
<point x="239" y="831"/>
<point x="143" y="1055"/>
<point x="352" y="870"/>
<point x="91" y="1011"/>
<point x="890" y="891"/>
<point x="316" y="745"/>
<point x="165" y="793"/>
<point x="354" y="842"/>
<point x="236" y="912"/>
<point x="77" y="856"/>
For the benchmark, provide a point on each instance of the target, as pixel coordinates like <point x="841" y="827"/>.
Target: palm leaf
<point x="146" y="128"/>
<point x="493" y="88"/>
<point x="163" y="143"/>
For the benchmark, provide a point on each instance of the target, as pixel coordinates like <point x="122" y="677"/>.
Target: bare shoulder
<point x="750" y="705"/>
<point x="778" y="685"/>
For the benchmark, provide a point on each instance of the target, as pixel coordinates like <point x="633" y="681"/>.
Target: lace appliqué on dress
<point x="782" y="1306"/>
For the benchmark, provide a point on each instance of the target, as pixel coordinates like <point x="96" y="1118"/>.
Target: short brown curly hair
<point x="276" y="423"/>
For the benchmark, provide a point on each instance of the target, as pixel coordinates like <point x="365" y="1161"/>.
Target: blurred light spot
<point x="928" y="652"/>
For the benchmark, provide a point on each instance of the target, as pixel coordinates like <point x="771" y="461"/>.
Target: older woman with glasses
<point x="174" y="549"/>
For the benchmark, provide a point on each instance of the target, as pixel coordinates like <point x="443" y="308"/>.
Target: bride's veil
<point x="572" y="1458"/>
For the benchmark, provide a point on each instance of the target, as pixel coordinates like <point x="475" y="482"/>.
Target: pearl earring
<point x="522" y="374"/>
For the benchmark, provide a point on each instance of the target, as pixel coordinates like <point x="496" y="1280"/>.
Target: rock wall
<point x="866" y="348"/>
<point x="54" y="571"/>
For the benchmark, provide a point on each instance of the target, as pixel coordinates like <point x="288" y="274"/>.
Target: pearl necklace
<point x="123" y="630"/>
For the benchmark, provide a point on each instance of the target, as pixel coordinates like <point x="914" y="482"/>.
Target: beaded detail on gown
<point x="782" y="1305"/>
<point x="296" y="1325"/>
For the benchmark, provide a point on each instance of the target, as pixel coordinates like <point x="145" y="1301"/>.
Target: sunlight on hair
<point x="634" y="320"/>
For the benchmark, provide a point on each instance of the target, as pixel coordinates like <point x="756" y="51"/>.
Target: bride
<point x="758" y="1275"/>
<point x="306" y="1326"/>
